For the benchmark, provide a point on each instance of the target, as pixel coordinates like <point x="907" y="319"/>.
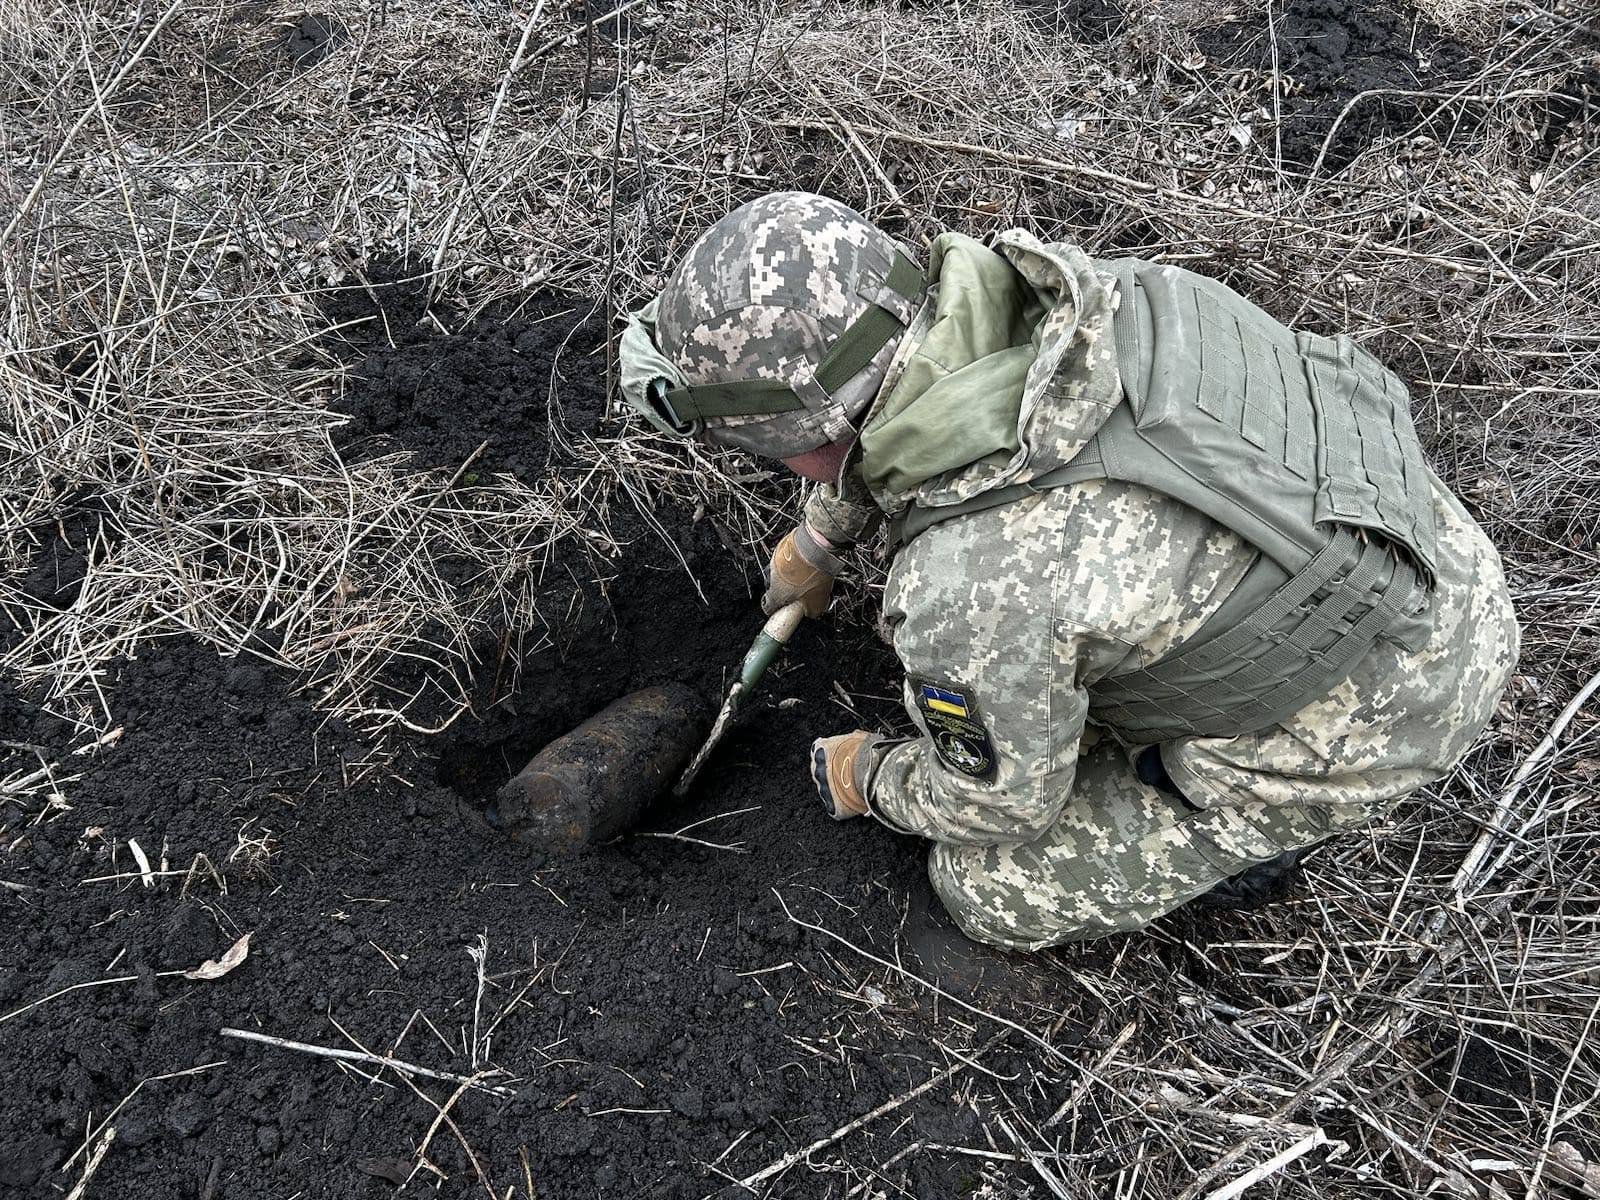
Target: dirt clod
<point x="1335" y="51"/>
<point x="312" y="38"/>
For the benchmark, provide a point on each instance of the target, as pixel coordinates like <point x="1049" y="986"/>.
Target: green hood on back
<point x="1014" y="374"/>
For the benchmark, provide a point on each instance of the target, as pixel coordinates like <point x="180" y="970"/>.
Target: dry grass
<point x="175" y="202"/>
<point x="163" y="358"/>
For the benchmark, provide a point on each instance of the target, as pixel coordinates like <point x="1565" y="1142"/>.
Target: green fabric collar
<point x="959" y="392"/>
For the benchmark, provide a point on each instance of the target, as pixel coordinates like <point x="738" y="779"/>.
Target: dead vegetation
<point x="179" y="192"/>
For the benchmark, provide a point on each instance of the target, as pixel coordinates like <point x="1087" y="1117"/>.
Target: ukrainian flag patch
<point x="943" y="700"/>
<point x="955" y="729"/>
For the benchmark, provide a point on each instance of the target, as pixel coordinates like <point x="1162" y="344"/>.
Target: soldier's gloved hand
<point x="838" y="768"/>
<point x="803" y="568"/>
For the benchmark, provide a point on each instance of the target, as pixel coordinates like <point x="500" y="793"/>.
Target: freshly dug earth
<point x="1334" y="51"/>
<point x="652" y="1003"/>
<point x="363" y="900"/>
<point x="481" y="392"/>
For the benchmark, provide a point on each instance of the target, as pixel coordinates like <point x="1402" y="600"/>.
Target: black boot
<point x="1257" y="885"/>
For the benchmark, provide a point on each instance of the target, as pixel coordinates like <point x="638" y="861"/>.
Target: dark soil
<point x="1334" y="50"/>
<point x="1573" y="112"/>
<point x="1506" y="1071"/>
<point x="493" y="384"/>
<point x="449" y="390"/>
<point x="312" y="38"/>
<point x="80" y="532"/>
<point x="63" y="558"/>
<point x="652" y="1001"/>
<point x="1089" y="20"/>
<point x="626" y="963"/>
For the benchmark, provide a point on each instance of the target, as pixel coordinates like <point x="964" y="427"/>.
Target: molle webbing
<point x="1279" y="435"/>
<point x="1304" y="446"/>
<point x="1301" y="445"/>
<point x="1294" y="648"/>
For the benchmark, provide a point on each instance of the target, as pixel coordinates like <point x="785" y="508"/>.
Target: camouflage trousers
<point x="1118" y="853"/>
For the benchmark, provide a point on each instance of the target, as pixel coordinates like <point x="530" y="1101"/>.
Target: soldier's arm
<point x="1029" y="721"/>
<point x="806" y="561"/>
<point x="1012" y="611"/>
<point x="842" y="516"/>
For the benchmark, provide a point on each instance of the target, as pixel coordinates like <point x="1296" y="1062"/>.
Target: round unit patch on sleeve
<point x="959" y="737"/>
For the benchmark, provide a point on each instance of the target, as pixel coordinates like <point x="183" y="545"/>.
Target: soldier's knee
<point x="1000" y="906"/>
<point x="979" y="917"/>
<point x="996" y="900"/>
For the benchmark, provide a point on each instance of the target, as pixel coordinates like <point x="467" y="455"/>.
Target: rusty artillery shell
<point x="589" y="785"/>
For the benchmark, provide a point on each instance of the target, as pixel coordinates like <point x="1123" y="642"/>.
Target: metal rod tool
<point x="774" y="635"/>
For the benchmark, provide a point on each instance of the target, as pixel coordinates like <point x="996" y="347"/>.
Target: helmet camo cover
<point x="775" y="330"/>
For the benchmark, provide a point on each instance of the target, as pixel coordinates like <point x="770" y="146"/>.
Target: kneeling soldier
<point x="1176" y="593"/>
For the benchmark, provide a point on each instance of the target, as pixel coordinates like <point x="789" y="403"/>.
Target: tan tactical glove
<point x="839" y="769"/>
<point x="802" y="569"/>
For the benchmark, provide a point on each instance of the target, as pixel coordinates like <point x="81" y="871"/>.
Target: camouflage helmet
<point x="776" y="329"/>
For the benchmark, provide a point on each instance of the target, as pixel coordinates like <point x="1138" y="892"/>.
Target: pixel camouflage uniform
<point x="1009" y="617"/>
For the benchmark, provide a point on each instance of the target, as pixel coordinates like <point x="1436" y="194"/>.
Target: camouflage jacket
<point x="1004" y="619"/>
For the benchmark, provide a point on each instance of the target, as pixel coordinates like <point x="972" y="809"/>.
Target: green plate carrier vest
<point x="1302" y="445"/>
